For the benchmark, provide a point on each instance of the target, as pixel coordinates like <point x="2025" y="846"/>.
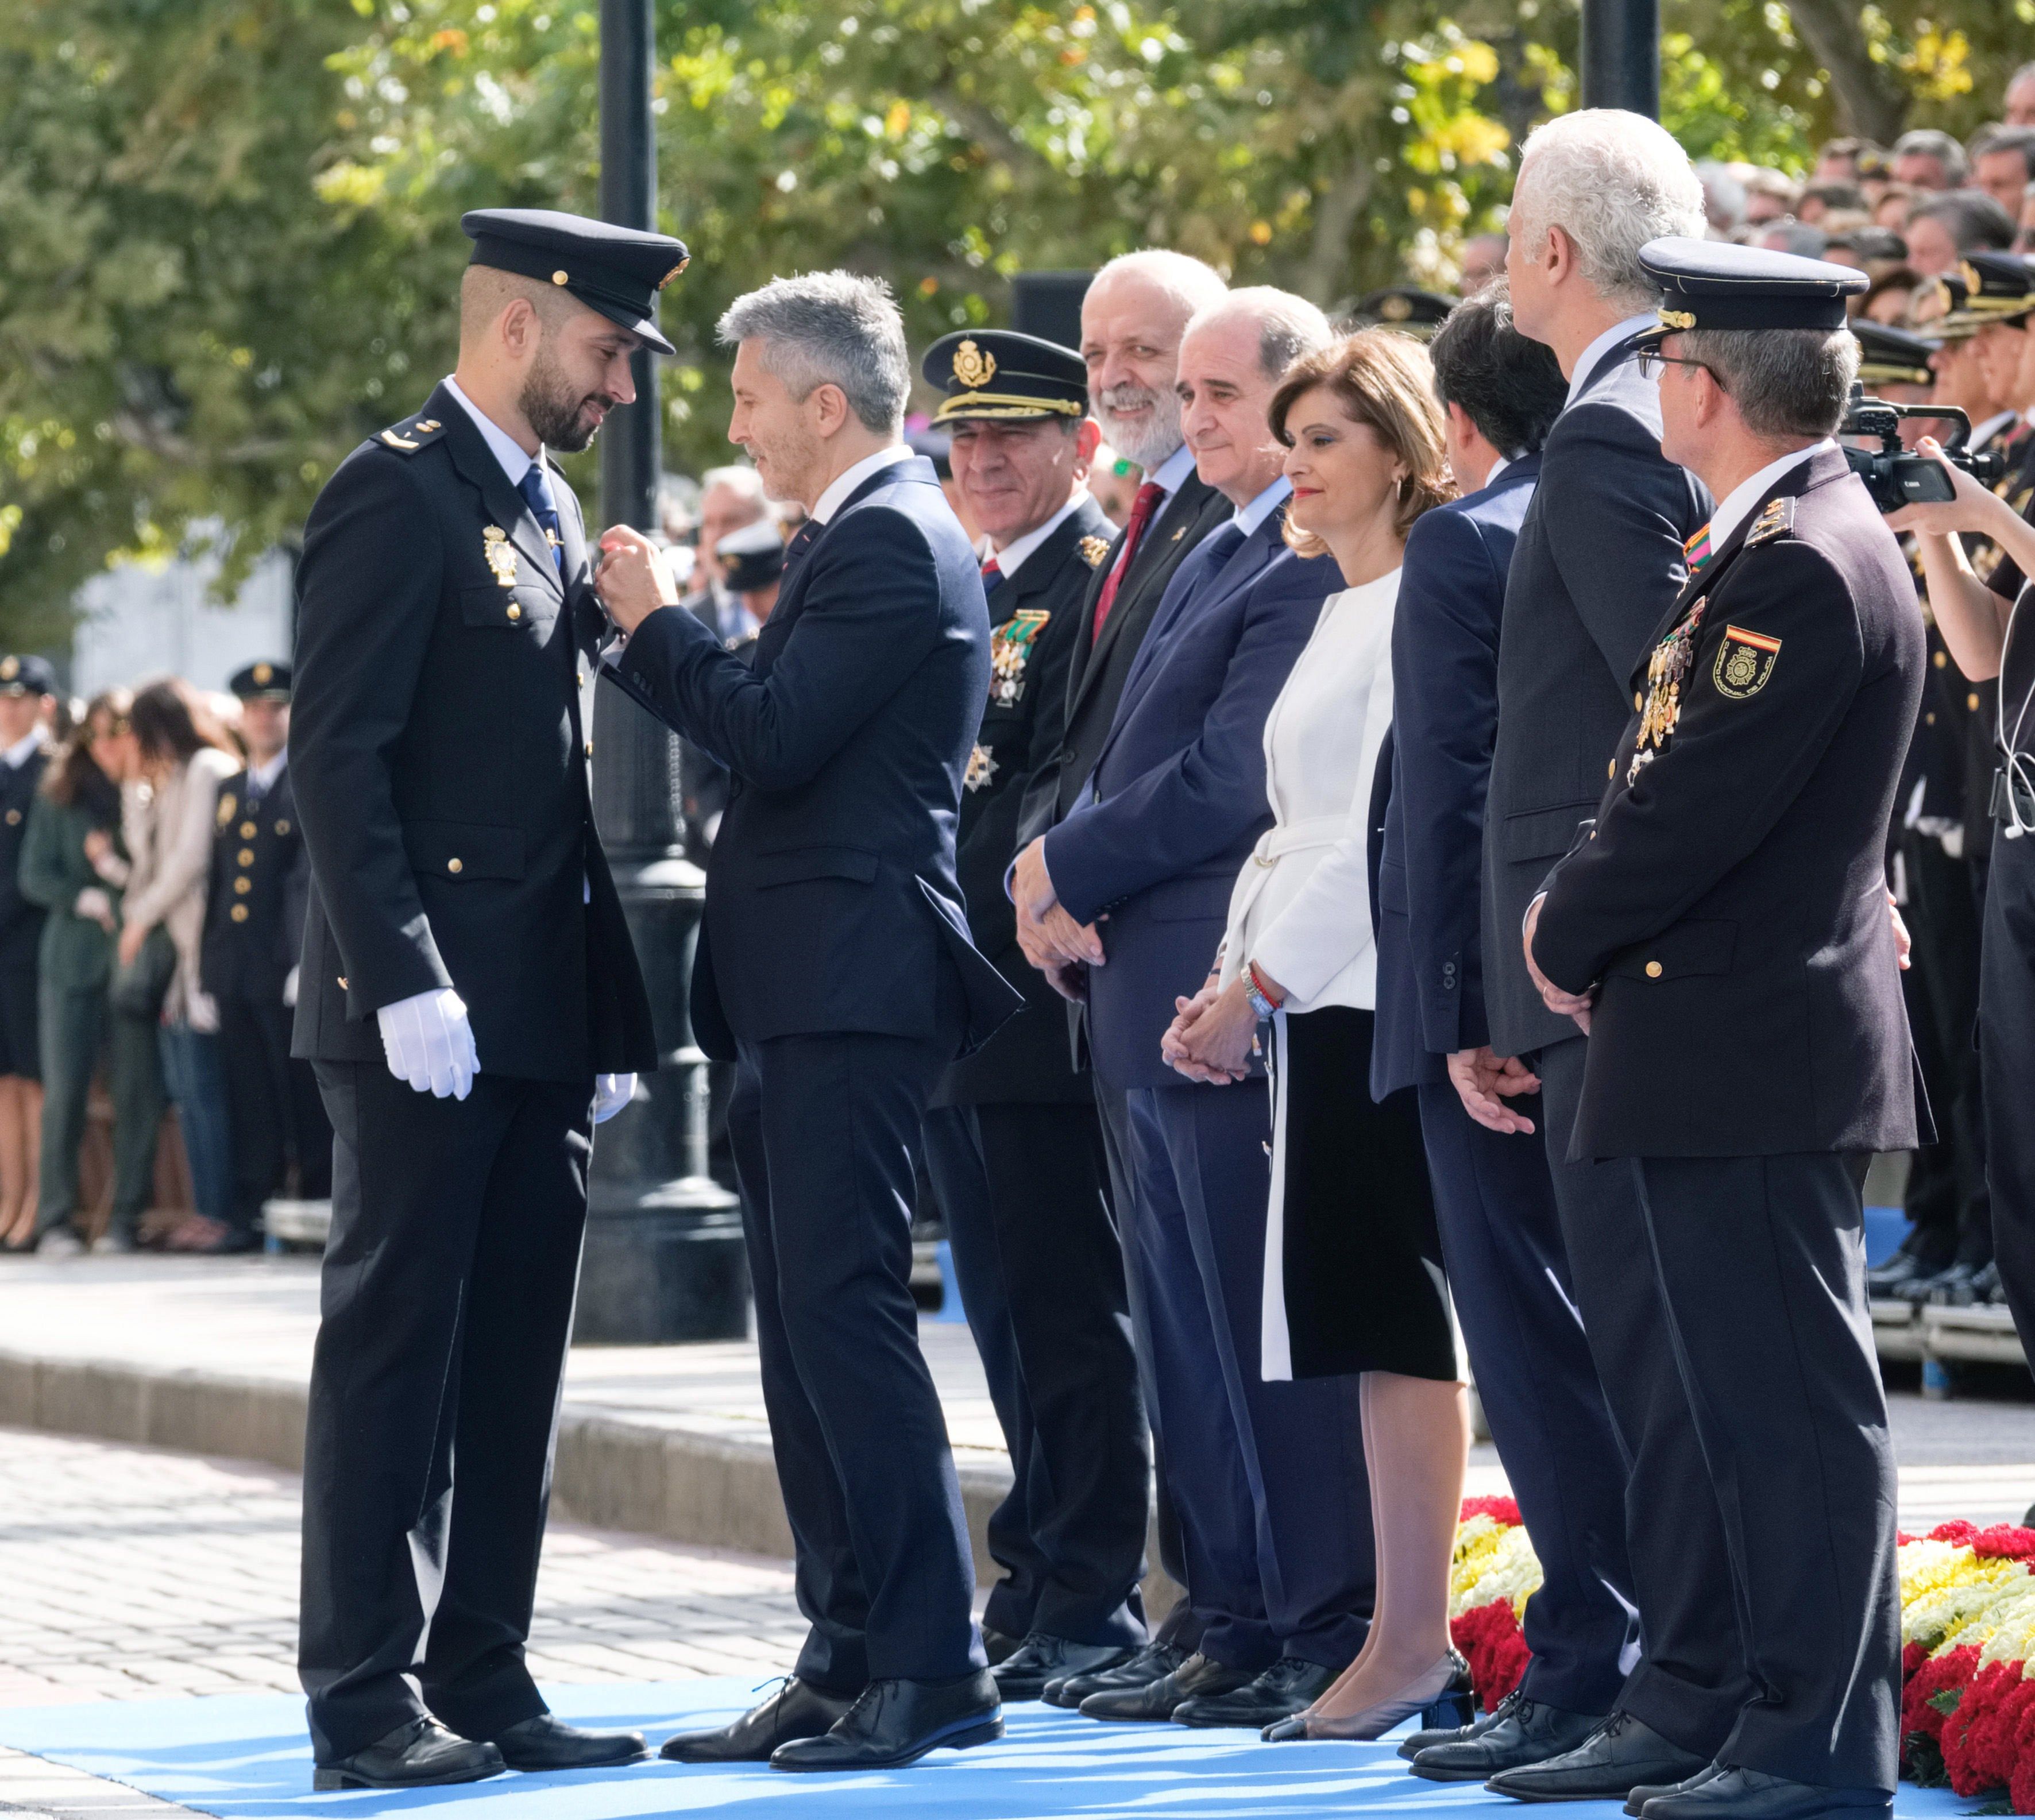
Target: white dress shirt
<point x="23" y="749"/>
<point x="845" y="482"/>
<point x="1247" y="518"/>
<point x="515" y="459"/>
<point x="1603" y="345"/>
<point x="1011" y="557"/>
<point x="1737" y="505"/>
<point x="261" y="778"/>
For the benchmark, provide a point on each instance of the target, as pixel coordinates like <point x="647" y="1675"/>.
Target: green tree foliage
<point x="233" y="250"/>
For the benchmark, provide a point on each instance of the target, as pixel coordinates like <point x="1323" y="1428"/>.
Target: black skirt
<point x="1360" y="1262"/>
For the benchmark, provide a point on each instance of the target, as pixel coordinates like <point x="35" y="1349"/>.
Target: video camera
<point x="1894" y="477"/>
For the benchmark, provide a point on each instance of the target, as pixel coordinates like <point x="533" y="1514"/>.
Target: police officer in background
<point x="253" y="933"/>
<point x="1722" y="934"/>
<point x="28" y="685"/>
<point x="471" y="1000"/>
<point x="1013" y="1142"/>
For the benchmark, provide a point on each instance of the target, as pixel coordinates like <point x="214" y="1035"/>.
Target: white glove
<point x="290" y="987"/>
<point x="611" y="1093"/>
<point x="429" y="1043"/>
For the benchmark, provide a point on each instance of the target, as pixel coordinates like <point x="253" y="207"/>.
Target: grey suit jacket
<point x="1599" y="561"/>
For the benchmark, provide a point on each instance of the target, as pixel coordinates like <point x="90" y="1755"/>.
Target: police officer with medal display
<point x="1013" y="1142"/>
<point x="247" y="961"/>
<point x="470" y="1001"/>
<point x="1722" y="934"/>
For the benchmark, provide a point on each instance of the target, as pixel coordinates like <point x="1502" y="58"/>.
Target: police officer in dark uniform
<point x="1723" y="933"/>
<point x="471" y="1000"/>
<point x="254" y="933"/>
<point x="1013" y="1142"/>
<point x="26" y="685"/>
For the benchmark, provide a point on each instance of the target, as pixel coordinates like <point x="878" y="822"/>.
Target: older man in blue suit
<point x="1494" y="1199"/>
<point x="835" y="968"/>
<point x="1268" y="1478"/>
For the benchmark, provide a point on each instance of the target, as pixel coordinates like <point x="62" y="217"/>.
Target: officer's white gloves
<point x="611" y="1093"/>
<point x="289" y="988"/>
<point x="429" y="1043"/>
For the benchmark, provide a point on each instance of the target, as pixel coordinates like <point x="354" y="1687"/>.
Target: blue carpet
<point x="245" y="1757"/>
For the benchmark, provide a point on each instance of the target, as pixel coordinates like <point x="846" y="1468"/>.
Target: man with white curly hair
<point x="1600" y="557"/>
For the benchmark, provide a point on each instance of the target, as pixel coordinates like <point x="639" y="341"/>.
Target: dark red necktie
<point x="1141" y="511"/>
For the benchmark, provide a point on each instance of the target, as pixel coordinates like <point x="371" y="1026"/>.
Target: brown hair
<point x="171" y="722"/>
<point x="1384" y="379"/>
<point x="73" y="776"/>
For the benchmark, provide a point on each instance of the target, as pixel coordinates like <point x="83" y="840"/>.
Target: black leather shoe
<point x="897" y="1722"/>
<point x="1987" y="1287"/>
<point x="1528" y="1733"/>
<point x="1289" y="1686"/>
<point x="1023" y="1674"/>
<point x="1411" y="1747"/>
<point x="796" y="1710"/>
<point x="421" y="1754"/>
<point x="999" y="1645"/>
<point x="1734" y="1794"/>
<point x="1154" y="1661"/>
<point x="1607" y="1765"/>
<point x="1159" y="1699"/>
<point x="1892" y="1280"/>
<point x="548" y="1742"/>
<point x="1950" y="1288"/>
<point x="1645" y="1792"/>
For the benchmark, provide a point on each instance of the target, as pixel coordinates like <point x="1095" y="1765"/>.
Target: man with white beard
<point x="1132" y="319"/>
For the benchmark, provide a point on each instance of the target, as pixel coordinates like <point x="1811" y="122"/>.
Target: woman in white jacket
<point x="1353" y="1278"/>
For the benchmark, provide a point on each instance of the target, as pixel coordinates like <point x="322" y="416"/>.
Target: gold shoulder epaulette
<point x="1777" y="521"/>
<point x="411" y="434"/>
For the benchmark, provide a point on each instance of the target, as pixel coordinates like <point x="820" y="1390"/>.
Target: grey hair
<point x="830" y="328"/>
<point x="1192" y="284"/>
<point x="1927" y="142"/>
<point x="1724" y="196"/>
<point x="1613" y="181"/>
<point x="1287" y="326"/>
<point x="737" y="478"/>
<point x="1787" y="383"/>
<point x="1971" y="217"/>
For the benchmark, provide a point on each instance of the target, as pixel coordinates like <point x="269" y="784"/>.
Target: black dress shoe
<point x="999" y="1645"/>
<point x="1023" y="1674"/>
<point x="1154" y="1661"/>
<point x="1411" y="1747"/>
<point x="1646" y="1792"/>
<point x="1289" y="1686"/>
<point x="1528" y="1733"/>
<point x="547" y="1743"/>
<point x="797" y="1709"/>
<point x="1159" y="1700"/>
<point x="1607" y="1765"/>
<point x="897" y="1722"/>
<point x="1734" y="1794"/>
<point x="421" y="1754"/>
<point x="1892" y="1280"/>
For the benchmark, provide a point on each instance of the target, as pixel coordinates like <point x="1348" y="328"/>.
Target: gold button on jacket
<point x="1652" y="969"/>
<point x="453" y="865"/>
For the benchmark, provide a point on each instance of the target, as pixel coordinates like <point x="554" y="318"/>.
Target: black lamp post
<point x="1621" y="55"/>
<point x="663" y="1259"/>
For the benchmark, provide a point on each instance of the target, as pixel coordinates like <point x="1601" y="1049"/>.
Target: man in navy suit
<point x="835" y="968"/>
<point x="1600" y="559"/>
<point x="1494" y="1200"/>
<point x="1268" y="1478"/>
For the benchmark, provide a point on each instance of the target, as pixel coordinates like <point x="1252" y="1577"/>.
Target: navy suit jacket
<point x="1599" y="559"/>
<point x="1178" y="795"/>
<point x="832" y="899"/>
<point x="1445" y="722"/>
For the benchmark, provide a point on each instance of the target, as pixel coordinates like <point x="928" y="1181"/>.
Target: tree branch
<point x="1869" y="100"/>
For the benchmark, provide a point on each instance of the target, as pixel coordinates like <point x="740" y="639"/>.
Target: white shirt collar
<point x="23" y="749"/>
<point x="1247" y="518"/>
<point x="1171" y="472"/>
<point x="1012" y="555"/>
<point x="1739" y="502"/>
<point x="1984" y="433"/>
<point x="1602" y="345"/>
<point x="1497" y="468"/>
<point x="845" y="482"/>
<point x="515" y="461"/>
<point x="261" y="778"/>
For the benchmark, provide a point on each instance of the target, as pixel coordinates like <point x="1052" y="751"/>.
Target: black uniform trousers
<point x="1041" y="1280"/>
<point x="2007" y="1053"/>
<point x="275" y="1106"/>
<point x="827" y="1132"/>
<point x="1509" y="1274"/>
<point x="1269" y="1477"/>
<point x="1691" y="1680"/>
<point x="1760" y="1263"/>
<point x="446" y="1298"/>
<point x="1180" y="1626"/>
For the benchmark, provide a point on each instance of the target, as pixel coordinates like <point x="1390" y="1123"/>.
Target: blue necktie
<point x="537" y="496"/>
<point x="1223" y="543"/>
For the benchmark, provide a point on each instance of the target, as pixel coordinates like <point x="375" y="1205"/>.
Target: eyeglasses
<point x="1651" y="358"/>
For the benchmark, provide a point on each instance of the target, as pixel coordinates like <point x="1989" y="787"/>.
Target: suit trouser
<point x="1691" y="1680"/>
<point x="1181" y="1627"/>
<point x="1042" y="1279"/>
<point x="1761" y="1264"/>
<point x="827" y="1131"/>
<point x="447" y="1298"/>
<point x="269" y="1117"/>
<point x="2007" y="1051"/>
<point x="1269" y="1478"/>
<point x="1509" y="1275"/>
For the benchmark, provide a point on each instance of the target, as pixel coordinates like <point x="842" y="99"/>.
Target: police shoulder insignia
<point x="981" y="768"/>
<point x="412" y="434"/>
<point x="1010" y="654"/>
<point x="1776" y="521"/>
<point x="1744" y="662"/>
<point x="1093" y="550"/>
<point x="227" y="806"/>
